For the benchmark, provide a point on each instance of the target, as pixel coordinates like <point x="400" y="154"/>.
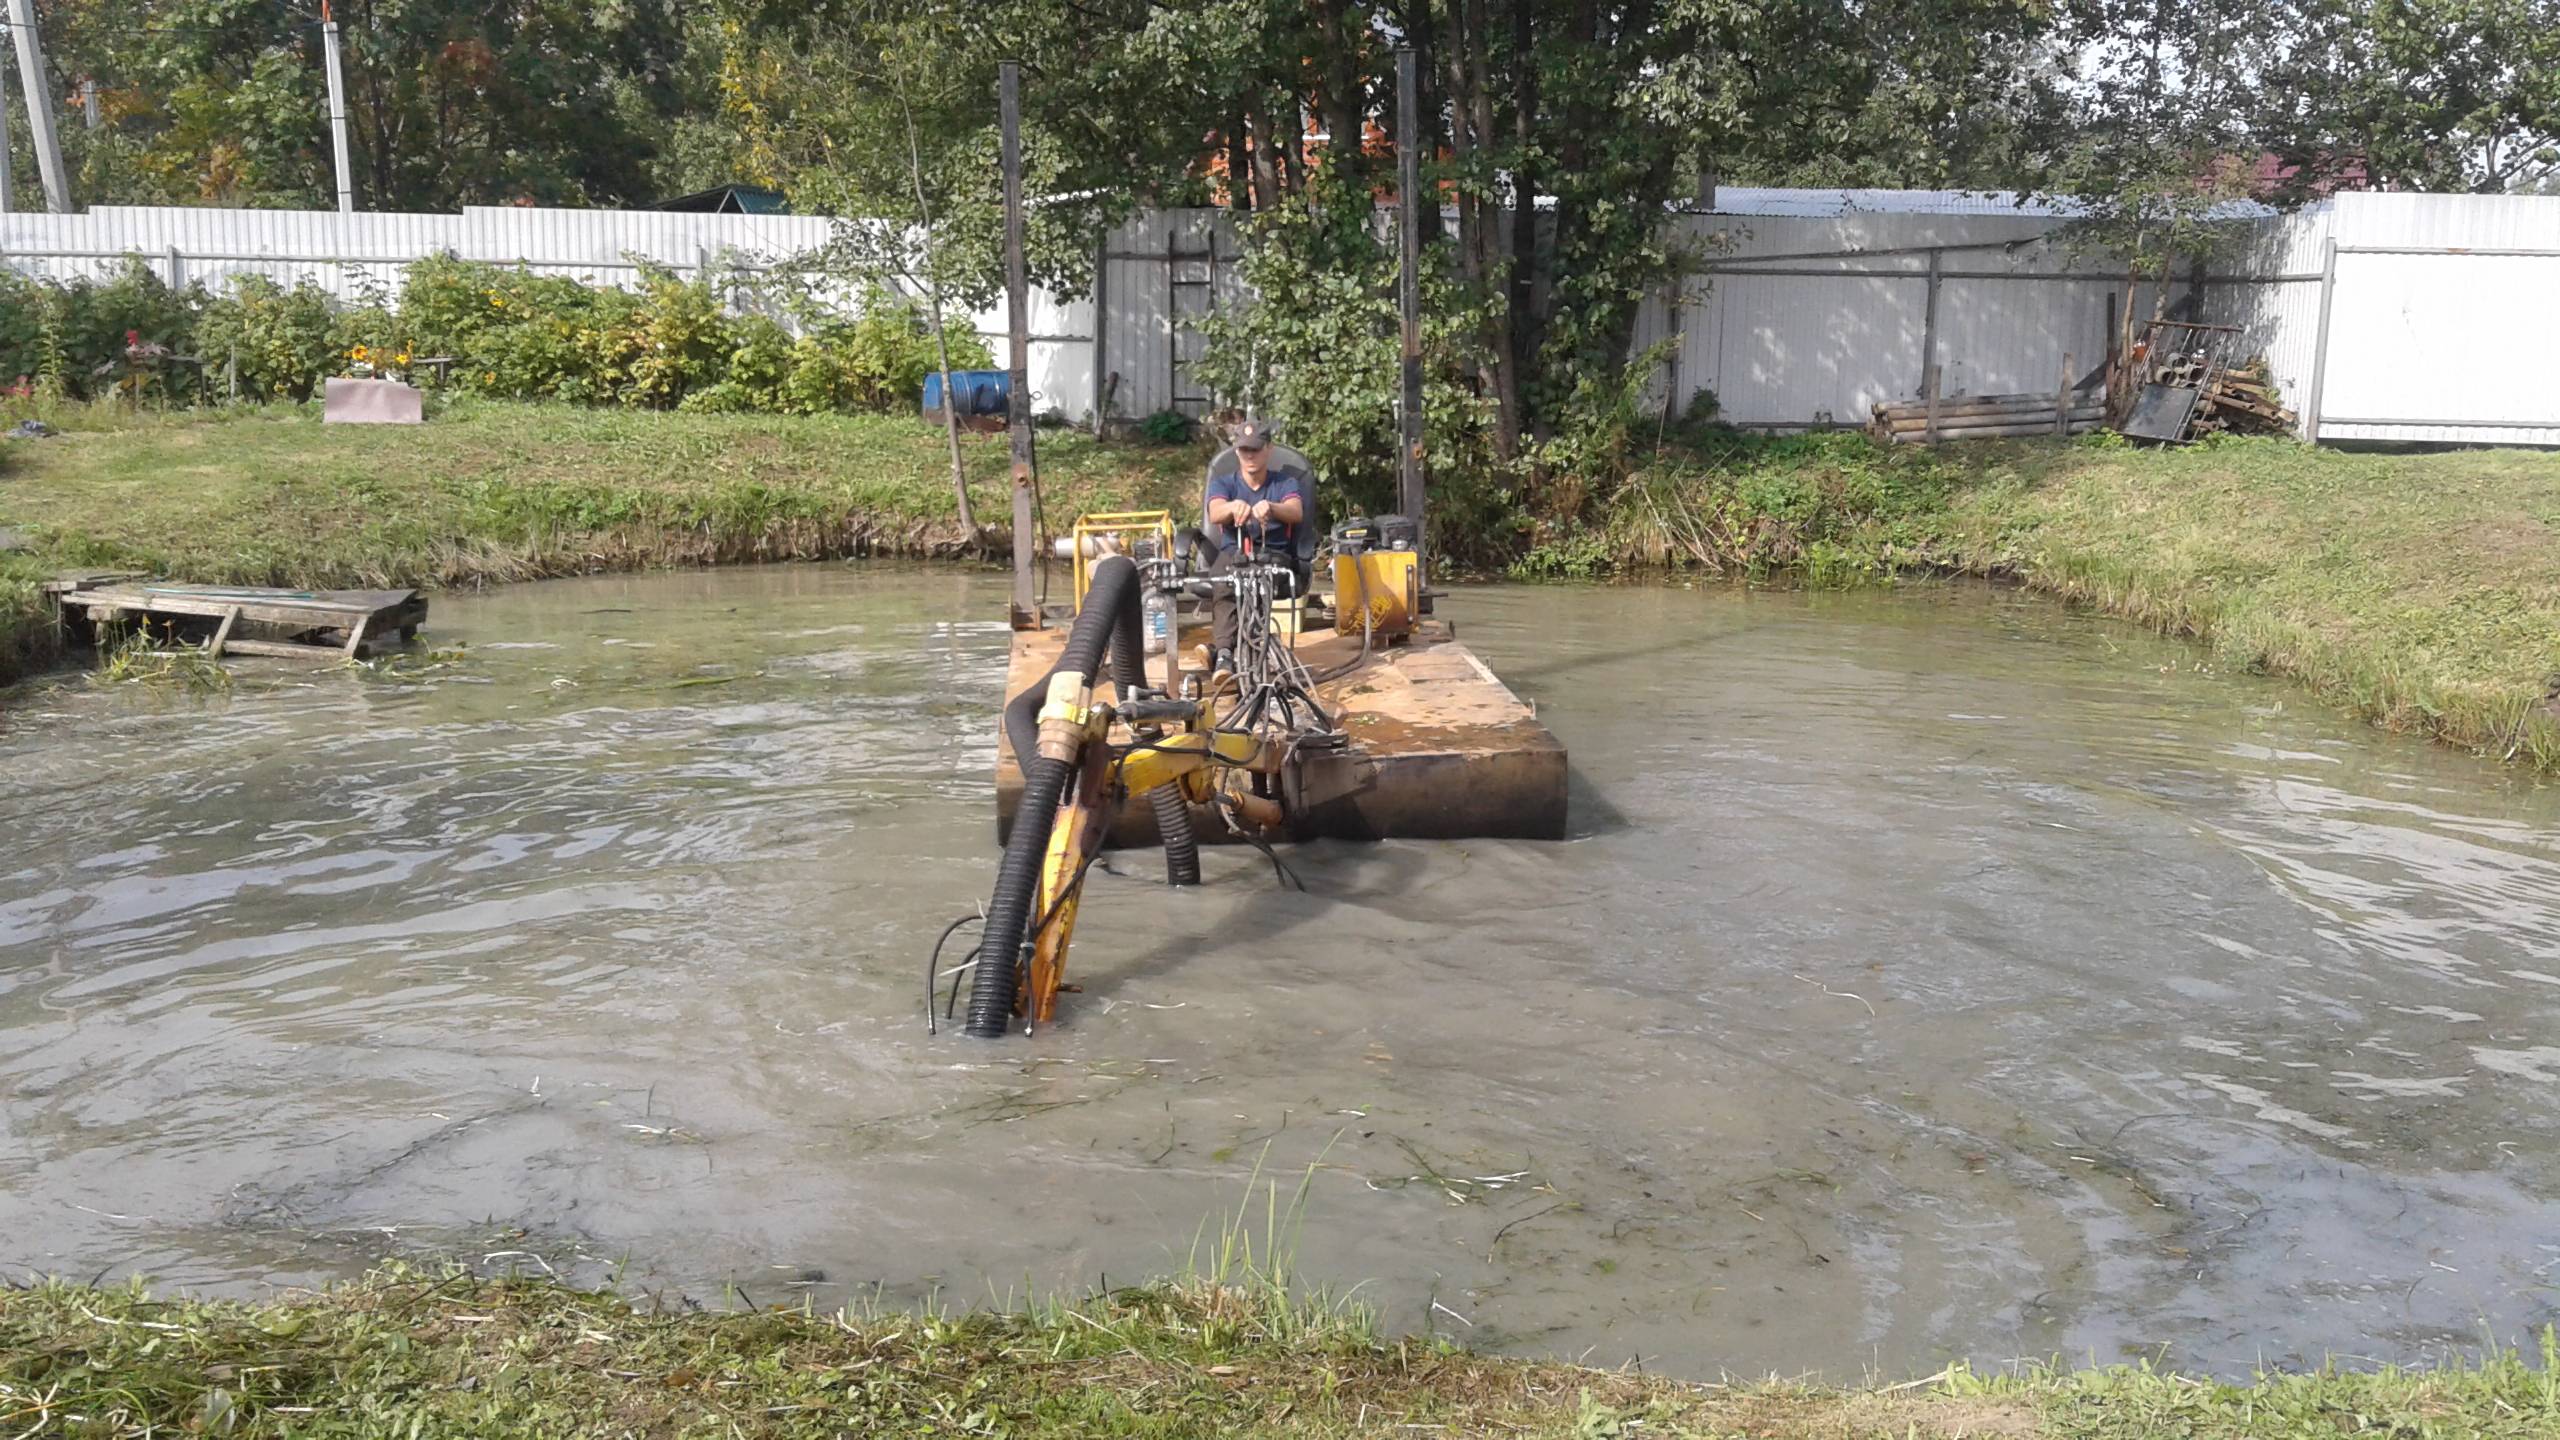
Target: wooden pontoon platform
<point x="246" y="620"/>
<point x="1440" y="747"/>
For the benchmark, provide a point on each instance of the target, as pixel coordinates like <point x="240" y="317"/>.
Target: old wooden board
<point x="1440" y="747"/>
<point x="339" y="622"/>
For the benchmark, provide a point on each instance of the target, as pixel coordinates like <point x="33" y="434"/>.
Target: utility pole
<point x="1017" y="305"/>
<point x="337" y="108"/>
<point x="1409" y="497"/>
<point x="31" y="78"/>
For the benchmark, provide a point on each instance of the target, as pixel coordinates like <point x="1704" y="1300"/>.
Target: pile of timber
<point x="2242" y="401"/>
<point x="1979" y="417"/>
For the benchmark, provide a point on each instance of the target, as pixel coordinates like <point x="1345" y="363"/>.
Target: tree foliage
<point x="224" y="101"/>
<point x="1560" y="133"/>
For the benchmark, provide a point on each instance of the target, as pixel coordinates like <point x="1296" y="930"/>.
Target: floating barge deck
<point x="1440" y="747"/>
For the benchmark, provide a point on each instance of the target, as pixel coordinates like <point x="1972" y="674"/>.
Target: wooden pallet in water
<point x="295" y="624"/>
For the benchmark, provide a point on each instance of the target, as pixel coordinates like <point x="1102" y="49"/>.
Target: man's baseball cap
<point x="1252" y="435"/>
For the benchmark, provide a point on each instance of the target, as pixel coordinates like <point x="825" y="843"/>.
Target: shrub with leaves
<point x="79" y="338"/>
<point x="284" y="342"/>
<point x="512" y="333"/>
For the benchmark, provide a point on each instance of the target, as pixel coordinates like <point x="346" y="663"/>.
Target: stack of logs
<point x="1978" y="417"/>
<point x="2242" y="401"/>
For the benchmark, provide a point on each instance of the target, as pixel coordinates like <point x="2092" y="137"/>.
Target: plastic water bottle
<point x="1159" y="617"/>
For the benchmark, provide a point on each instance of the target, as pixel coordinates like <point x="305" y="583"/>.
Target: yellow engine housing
<point x="1385" y="585"/>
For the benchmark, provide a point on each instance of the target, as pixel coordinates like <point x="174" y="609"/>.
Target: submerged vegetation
<point x="2421" y="591"/>
<point x="410" y="1352"/>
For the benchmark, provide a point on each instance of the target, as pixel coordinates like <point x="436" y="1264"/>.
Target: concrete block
<point x="372" y="402"/>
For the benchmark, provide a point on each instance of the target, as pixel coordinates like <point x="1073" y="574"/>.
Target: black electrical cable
<point x="933" y="970"/>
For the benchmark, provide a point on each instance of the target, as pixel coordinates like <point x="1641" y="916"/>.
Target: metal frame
<point x="2314" y="420"/>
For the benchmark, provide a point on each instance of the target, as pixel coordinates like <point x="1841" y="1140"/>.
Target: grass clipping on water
<point x="410" y="1352"/>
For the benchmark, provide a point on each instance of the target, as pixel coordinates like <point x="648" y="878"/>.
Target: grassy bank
<point x="496" y="491"/>
<point x="407" y="1353"/>
<point x="2419" y="591"/>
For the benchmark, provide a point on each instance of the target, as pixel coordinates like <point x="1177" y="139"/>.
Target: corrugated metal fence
<point x="2388" y="317"/>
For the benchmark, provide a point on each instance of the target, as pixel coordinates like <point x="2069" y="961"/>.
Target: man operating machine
<point x="1260" y="500"/>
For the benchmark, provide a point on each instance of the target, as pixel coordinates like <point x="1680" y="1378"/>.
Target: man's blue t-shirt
<point x="1290" y="474"/>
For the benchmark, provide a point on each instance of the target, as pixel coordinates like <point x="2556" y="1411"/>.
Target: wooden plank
<point x="284" y="649"/>
<point x="298" y="613"/>
<point x="355" y="637"/>
<point x="222" y="635"/>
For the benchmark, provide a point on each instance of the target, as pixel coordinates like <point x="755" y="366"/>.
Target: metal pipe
<point x="1017" y="304"/>
<point x="2552" y="424"/>
<point x="2489" y="252"/>
<point x="2320" y="342"/>
<point x="6" y="183"/>
<point x="1409" y="476"/>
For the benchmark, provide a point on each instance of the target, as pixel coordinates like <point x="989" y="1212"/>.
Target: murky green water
<point x="1931" y="975"/>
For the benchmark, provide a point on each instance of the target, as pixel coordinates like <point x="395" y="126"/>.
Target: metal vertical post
<point x="2320" y="342"/>
<point x="337" y="109"/>
<point x="1409" y="477"/>
<point x="1017" y="305"/>
<point x="39" y="93"/>
<point x="7" y="182"/>
<point x="1929" y="333"/>
<point x="1101" y="326"/>
<point x="2062" y="398"/>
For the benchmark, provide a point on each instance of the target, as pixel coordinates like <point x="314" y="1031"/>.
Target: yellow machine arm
<point x="1107" y="777"/>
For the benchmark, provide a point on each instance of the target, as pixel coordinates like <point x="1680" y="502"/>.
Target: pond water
<point x="1930" y="974"/>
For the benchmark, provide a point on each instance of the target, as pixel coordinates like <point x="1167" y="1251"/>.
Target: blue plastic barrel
<point x="981" y="392"/>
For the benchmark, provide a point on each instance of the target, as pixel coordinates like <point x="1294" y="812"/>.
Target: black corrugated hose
<point x="1173" y="816"/>
<point x="1110" y="618"/>
<point x="1181" y="844"/>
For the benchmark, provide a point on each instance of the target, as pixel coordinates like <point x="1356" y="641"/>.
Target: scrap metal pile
<point x="2184" y="387"/>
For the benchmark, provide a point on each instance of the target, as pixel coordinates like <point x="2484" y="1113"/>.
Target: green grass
<point x="408" y="1352"/>
<point x="2419" y="591"/>
<point x="490" y="492"/>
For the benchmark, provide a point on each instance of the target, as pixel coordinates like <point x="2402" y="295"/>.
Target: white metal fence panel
<point x="2444" y="320"/>
<point x="1802" y="319"/>
<point x="2444" y="346"/>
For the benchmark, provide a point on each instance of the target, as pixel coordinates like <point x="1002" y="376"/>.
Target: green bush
<point x="284" y="342"/>
<point x="73" y="337"/>
<point x="511" y="333"/>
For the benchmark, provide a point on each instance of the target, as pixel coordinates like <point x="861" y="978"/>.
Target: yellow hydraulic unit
<point x="1118" y="532"/>
<point x="1377" y="577"/>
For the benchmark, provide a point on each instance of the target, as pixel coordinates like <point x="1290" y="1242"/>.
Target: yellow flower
<point x="404" y="357"/>
<point x="488" y="377"/>
<point x="357" y="353"/>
